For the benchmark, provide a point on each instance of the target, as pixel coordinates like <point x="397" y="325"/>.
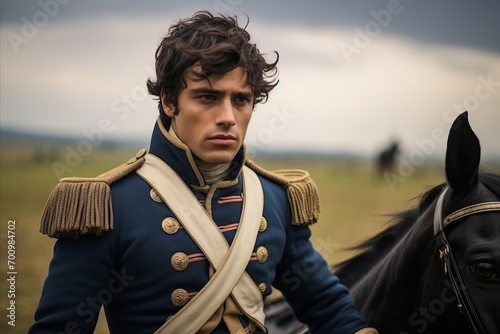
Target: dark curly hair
<point x="218" y="44"/>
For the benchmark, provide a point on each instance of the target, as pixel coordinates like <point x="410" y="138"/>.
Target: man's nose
<point x="225" y="115"/>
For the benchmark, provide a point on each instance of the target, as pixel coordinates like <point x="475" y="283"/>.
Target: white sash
<point x="229" y="262"/>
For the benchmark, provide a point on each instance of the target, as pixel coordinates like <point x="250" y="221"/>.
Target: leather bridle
<point x="446" y="255"/>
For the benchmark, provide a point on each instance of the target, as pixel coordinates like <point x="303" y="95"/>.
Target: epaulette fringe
<point x="79" y="206"/>
<point x="302" y="192"/>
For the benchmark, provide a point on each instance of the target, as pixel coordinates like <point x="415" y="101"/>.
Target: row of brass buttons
<point x="180" y="260"/>
<point x="170" y="225"/>
<point x="180" y="297"/>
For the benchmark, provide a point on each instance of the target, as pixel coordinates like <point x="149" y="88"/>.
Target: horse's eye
<point x="484" y="270"/>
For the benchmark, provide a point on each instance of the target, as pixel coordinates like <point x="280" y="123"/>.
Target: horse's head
<point x="438" y="267"/>
<point x="398" y="280"/>
<point x="467" y="228"/>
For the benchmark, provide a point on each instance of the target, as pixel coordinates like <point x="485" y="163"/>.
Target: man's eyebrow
<point x="203" y="90"/>
<point x="248" y="95"/>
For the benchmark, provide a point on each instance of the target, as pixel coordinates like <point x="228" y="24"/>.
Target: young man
<point x="190" y="237"/>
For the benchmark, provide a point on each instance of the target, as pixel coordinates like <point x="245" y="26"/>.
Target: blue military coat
<point x="147" y="267"/>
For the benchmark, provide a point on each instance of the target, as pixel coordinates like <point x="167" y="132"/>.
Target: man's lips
<point x="222" y="139"/>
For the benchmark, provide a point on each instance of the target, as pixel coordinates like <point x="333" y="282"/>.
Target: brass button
<point x="263" y="224"/>
<point x="262" y="287"/>
<point x="154" y="196"/>
<point x="179" y="261"/>
<point x="262" y="254"/>
<point x="170" y="225"/>
<point x="179" y="297"/>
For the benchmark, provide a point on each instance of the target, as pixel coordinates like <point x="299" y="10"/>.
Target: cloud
<point x="75" y="73"/>
<point x="395" y="87"/>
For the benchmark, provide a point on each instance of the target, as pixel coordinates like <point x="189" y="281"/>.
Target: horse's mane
<point x="376" y="247"/>
<point x="492" y="182"/>
<point x="384" y="276"/>
<point x="397" y="257"/>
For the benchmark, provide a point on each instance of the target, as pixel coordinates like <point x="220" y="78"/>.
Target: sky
<point x="354" y="75"/>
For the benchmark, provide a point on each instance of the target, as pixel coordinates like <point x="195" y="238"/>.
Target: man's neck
<point x="211" y="173"/>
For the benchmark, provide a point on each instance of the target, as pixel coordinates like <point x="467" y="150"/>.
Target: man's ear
<point x="168" y="107"/>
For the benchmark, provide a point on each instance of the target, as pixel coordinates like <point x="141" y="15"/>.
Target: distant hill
<point x="311" y="155"/>
<point x="23" y="147"/>
<point x="13" y="137"/>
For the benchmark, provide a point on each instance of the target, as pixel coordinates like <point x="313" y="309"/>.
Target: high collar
<point x="178" y="156"/>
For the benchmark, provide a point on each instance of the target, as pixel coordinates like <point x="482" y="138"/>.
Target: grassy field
<point x="354" y="207"/>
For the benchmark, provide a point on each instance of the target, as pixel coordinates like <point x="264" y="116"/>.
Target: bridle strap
<point x="469" y="210"/>
<point x="438" y="213"/>
<point x="464" y="302"/>
<point x="445" y="253"/>
<point x="440" y="224"/>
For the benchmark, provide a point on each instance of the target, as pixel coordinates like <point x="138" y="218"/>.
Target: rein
<point x="445" y="253"/>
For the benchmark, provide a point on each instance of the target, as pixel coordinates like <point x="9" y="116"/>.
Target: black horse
<point x="386" y="159"/>
<point x="437" y="268"/>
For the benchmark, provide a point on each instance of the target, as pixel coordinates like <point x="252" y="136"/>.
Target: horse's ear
<point x="463" y="154"/>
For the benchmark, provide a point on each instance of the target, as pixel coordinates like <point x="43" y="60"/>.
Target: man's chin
<point x="218" y="158"/>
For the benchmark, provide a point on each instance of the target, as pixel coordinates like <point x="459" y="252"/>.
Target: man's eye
<point x="242" y="100"/>
<point x="206" y="98"/>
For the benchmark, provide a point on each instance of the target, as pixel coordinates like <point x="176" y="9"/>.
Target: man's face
<point x="213" y="116"/>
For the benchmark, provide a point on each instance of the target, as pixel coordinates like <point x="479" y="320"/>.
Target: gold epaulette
<point x="79" y="206"/>
<point x="301" y="190"/>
